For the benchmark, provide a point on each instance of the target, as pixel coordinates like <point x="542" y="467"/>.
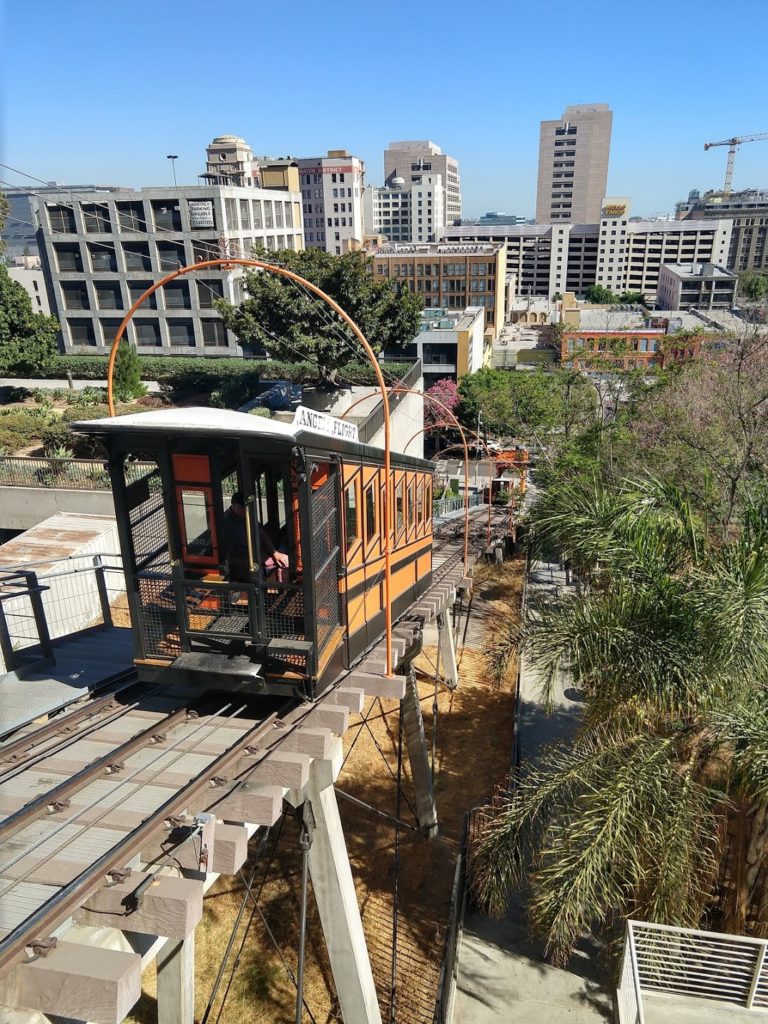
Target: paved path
<point x="502" y="974"/>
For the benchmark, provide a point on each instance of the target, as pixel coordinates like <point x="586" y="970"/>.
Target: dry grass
<point x="473" y="742"/>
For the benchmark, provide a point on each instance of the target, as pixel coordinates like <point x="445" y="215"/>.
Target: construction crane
<point x="732" y="144"/>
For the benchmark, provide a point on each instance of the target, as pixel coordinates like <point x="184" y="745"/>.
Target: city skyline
<point x="119" y="114"/>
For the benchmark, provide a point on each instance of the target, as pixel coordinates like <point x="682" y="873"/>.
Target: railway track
<point x="135" y="776"/>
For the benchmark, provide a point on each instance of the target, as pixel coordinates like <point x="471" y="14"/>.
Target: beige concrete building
<point x="450" y="344"/>
<point x="701" y="285"/>
<point x="410" y="160"/>
<point x="450" y="276"/>
<point x="616" y="252"/>
<point x="573" y="164"/>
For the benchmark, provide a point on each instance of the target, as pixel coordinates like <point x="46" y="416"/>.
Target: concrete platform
<point x="83" y="662"/>
<point x="659" y="1009"/>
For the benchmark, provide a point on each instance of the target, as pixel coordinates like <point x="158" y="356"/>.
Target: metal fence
<point x="63" y="598"/>
<point x="449" y="966"/>
<point x="71" y="474"/>
<point x="443" y="506"/>
<point x="688" y="964"/>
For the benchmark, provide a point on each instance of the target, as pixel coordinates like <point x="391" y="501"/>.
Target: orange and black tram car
<point x="280" y="589"/>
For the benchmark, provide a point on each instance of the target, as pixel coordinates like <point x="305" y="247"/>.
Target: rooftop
<point x="634" y="320"/>
<point x="705" y="270"/>
<point x="437" y="249"/>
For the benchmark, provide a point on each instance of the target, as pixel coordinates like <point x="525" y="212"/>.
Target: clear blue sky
<point x="101" y="92"/>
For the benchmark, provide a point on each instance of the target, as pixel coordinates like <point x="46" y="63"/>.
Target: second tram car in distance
<point x="280" y="591"/>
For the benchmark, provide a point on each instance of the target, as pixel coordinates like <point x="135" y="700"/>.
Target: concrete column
<point x="337" y="904"/>
<point x="416" y="742"/>
<point x="176" y="982"/>
<point x="448" y="650"/>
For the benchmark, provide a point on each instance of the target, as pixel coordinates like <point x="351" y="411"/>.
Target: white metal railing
<point x="442" y="506"/>
<point x="688" y="963"/>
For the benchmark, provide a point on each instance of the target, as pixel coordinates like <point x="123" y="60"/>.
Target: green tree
<point x="753" y="285"/>
<point x="127" y="378"/>
<point x="669" y="642"/>
<point x="515" y="403"/>
<point x="599" y="296"/>
<point x="291" y="323"/>
<point x="28" y="340"/>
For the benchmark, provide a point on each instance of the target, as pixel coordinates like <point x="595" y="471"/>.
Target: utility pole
<point x="173" y="157"/>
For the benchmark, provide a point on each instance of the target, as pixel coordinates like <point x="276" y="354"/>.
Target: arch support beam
<point x="447" y="642"/>
<point x="336" y="898"/>
<point x="416" y="742"/>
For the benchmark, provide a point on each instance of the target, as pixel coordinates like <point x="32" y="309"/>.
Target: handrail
<point x="66" y="474"/>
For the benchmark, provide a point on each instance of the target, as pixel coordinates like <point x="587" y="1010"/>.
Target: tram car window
<point x="253" y="550"/>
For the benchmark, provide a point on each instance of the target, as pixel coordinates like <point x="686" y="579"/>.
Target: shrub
<point x="127" y="378"/>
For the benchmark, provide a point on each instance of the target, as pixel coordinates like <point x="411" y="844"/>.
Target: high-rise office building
<point x="573" y="164"/>
<point x="410" y="160"/>
<point x="406" y="212"/>
<point x="332" y="201"/>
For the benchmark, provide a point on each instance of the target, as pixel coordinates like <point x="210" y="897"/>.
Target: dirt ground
<point x="472" y="743"/>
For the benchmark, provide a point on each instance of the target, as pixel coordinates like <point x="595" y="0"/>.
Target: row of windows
<point x="110" y="294"/>
<point x="165" y="215"/>
<point x="146" y="333"/>
<point x="148" y="256"/>
<point x="412" y="509"/>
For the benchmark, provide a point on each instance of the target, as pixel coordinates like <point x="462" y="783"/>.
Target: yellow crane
<point x="732" y="144"/>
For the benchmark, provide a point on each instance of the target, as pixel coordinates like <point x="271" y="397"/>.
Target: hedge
<point x="197" y="373"/>
<point x="537" y="356"/>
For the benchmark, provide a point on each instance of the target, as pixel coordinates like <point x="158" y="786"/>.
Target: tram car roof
<point x="225" y="423"/>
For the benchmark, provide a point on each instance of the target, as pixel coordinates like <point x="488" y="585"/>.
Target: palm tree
<point x="659" y="807"/>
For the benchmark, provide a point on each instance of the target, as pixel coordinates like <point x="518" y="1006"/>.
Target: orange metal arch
<point x="291" y="276"/>
<point x="397" y="390"/>
<point x="478" y="440"/>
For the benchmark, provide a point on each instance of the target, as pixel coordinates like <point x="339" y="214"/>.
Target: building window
<point x="170" y="255"/>
<point x="208" y="292"/>
<point x="136" y="289"/>
<point x="147" y="333"/>
<point x="245" y="215"/>
<point x="81" y="332"/>
<point x="68" y="257"/>
<point x="230" y="210"/>
<point x="176" y="295"/>
<point x="268" y="216"/>
<point x="137" y="256"/>
<point x="103" y="257"/>
<point x="96" y="219"/>
<point x="109" y="329"/>
<point x="166" y="214"/>
<point x="61" y="219"/>
<point x="131" y="216"/>
<point x="108" y="295"/>
<point x="214" y="334"/>
<point x="257" y="223"/>
<point x="75" y="296"/>
<point x="288" y="215"/>
<point x="181" y="333"/>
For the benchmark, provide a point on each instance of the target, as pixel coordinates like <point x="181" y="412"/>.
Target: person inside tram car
<point x="236" y="533"/>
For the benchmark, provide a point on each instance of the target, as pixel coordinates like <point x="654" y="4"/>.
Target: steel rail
<point x="55" y="724"/>
<point x="91" y="771"/>
<point x="70" y="897"/>
<point x="56" y="748"/>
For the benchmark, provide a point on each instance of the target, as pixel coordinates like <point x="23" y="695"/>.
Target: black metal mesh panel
<point x="325" y="555"/>
<point x="220" y="610"/>
<point x="157" y="616"/>
<point x="324" y="536"/>
<point x="149" y="529"/>
<point x="284" y="613"/>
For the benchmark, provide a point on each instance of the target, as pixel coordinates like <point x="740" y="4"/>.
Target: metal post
<point x="101" y="585"/>
<point x="6" y="644"/>
<point x="305" y="842"/>
<point x="41" y="623"/>
<point x="756" y="976"/>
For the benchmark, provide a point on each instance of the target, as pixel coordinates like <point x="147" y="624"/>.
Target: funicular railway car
<point x="253" y="549"/>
